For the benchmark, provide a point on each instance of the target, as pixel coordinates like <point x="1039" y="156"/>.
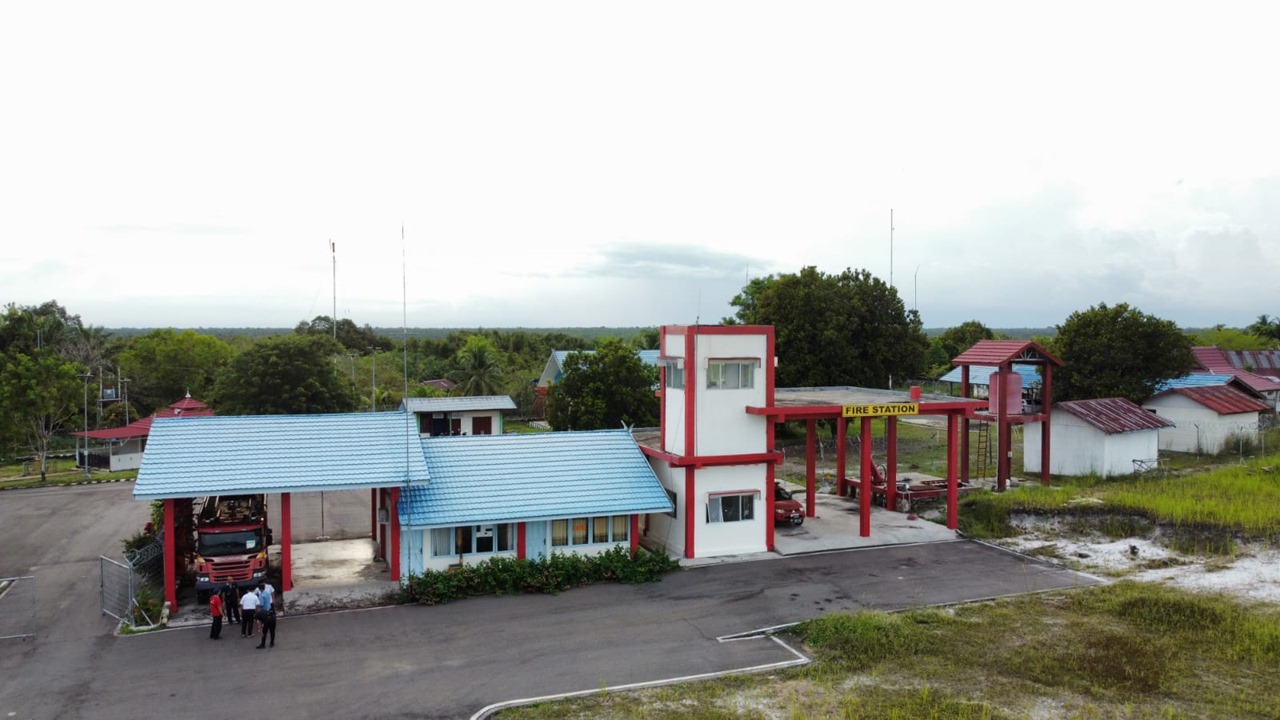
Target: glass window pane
<point x="580" y="531"/>
<point x="731" y="375"/>
<point x="621" y="528"/>
<point x="748" y="506"/>
<point x="440" y="545"/>
<point x="462" y="540"/>
<point x="713" y="511"/>
<point x="748" y="375"/>
<point x="600" y="530"/>
<point x="713" y="374"/>
<point x="506" y="537"/>
<point x="484" y="538"/>
<point x="729" y="508"/>
<point x="559" y="533"/>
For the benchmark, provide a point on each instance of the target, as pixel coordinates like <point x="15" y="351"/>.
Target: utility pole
<point x="84" y="459"/>
<point x="890" y="247"/>
<point x="373" y="379"/>
<point x="333" y="248"/>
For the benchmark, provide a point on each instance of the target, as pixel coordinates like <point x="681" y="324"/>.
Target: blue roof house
<point x="527" y="495"/>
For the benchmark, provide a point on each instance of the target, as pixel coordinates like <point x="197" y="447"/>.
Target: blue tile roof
<point x="194" y="457"/>
<point x="527" y="477"/>
<point x="981" y="375"/>
<point x="462" y="403"/>
<point x="1194" y="380"/>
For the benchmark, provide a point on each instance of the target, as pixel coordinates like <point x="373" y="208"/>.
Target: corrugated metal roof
<point x="186" y="407"/>
<point x="228" y="455"/>
<point x="1114" y="415"/>
<point x="981" y="374"/>
<point x="459" y="404"/>
<point x="998" y="352"/>
<point x="1215" y="360"/>
<point x="534" y="476"/>
<point x="1222" y="399"/>
<point x="1194" y="380"/>
<point x="1263" y="362"/>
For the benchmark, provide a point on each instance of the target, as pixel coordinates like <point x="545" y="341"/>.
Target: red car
<point x="786" y="508"/>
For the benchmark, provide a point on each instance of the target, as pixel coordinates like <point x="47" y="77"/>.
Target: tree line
<point x="847" y="328"/>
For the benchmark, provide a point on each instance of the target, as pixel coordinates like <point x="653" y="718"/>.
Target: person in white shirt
<point x="248" y="607"/>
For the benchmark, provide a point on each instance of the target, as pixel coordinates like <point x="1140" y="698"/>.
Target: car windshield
<point x="229" y="543"/>
<point x="780" y="493"/>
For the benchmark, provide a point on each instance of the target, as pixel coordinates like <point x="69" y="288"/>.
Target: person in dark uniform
<point x="230" y="602"/>
<point x="267" y="621"/>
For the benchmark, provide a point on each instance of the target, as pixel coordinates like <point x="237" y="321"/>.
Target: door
<point x="535" y="540"/>
<point x="482" y="425"/>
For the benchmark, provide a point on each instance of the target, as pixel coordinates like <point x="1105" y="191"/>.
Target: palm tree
<point x="479" y="368"/>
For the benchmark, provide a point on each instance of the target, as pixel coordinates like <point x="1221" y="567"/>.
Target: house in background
<point x="553" y="373"/>
<point x="478" y="415"/>
<point x="124" y="445"/>
<point x="527" y="496"/>
<point x="1101" y="437"/>
<point x="1256" y="371"/>
<point x="1206" y="417"/>
<point x="444" y="385"/>
<point x="980" y="380"/>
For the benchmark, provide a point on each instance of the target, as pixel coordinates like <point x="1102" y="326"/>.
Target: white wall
<point x="1199" y="428"/>
<point x="1079" y="448"/>
<point x="713" y="539"/>
<point x="673" y="424"/>
<point x="666" y="531"/>
<point x="724" y="427"/>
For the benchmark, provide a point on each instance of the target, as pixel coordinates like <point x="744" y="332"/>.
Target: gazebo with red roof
<point x="1002" y="354"/>
<point x="125" y="444"/>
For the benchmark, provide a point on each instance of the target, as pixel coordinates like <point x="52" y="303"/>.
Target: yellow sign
<point x="878" y="410"/>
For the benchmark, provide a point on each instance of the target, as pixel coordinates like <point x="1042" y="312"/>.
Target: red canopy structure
<point x="128" y="441"/>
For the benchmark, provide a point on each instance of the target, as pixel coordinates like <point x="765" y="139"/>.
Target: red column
<point x="521" y="549"/>
<point x="286" y="542"/>
<point x="394" y="520"/>
<point x="953" y="491"/>
<point x="373" y="514"/>
<point x="690" y="507"/>
<point x="864" y="505"/>
<point x="170" y="558"/>
<point x="382" y="527"/>
<point x="842" y="439"/>
<point x="964" y="435"/>
<point x="891" y="462"/>
<point x="635" y="533"/>
<point x="810" y="468"/>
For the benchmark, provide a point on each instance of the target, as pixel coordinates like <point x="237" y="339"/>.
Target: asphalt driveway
<point x="448" y="661"/>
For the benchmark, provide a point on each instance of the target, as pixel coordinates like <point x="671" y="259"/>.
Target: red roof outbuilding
<point x="1114" y="415"/>
<point x="1222" y="399"/>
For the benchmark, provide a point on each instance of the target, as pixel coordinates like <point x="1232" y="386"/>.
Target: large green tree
<point x="290" y="374"/>
<point x="40" y="396"/>
<point x="353" y="337"/>
<point x="604" y="389"/>
<point x="1266" y="327"/>
<point x="164" y="365"/>
<point x="1117" y="352"/>
<point x="845" y="329"/>
<point x="954" y="341"/>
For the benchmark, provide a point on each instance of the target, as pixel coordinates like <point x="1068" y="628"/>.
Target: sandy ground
<point x="1253" y="572"/>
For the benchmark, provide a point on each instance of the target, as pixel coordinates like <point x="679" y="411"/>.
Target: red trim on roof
<point x="999" y="352"/>
<point x="1222" y="399"/>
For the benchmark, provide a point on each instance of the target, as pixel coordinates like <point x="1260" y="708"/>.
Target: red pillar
<point x="286" y="542"/>
<point x="373" y="514"/>
<point x="382" y="527"/>
<point x="953" y="468"/>
<point x="964" y="435"/>
<point x="842" y="467"/>
<point x="891" y="462"/>
<point x="690" y="508"/>
<point x="394" y="520"/>
<point x="521" y="549"/>
<point x="864" y="505"/>
<point x="810" y="468"/>
<point x="635" y="533"/>
<point x="170" y="557"/>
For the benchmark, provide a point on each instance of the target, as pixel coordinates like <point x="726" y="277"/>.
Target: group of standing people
<point x="255" y="606"/>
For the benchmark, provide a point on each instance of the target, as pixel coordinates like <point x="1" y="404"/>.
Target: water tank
<point x="1006" y="387"/>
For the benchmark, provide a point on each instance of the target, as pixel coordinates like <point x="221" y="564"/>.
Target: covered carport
<point x="286" y="454"/>
<point x="844" y="404"/>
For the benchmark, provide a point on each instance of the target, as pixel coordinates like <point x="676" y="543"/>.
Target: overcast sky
<point x="632" y="164"/>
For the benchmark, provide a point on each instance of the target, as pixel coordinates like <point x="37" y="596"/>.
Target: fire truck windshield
<point x="230" y="543"/>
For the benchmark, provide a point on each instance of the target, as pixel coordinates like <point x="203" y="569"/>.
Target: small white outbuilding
<point x="1101" y="437"/>
<point x="1205" y="417"/>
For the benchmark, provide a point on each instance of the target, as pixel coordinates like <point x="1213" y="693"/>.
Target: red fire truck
<point x="231" y="540"/>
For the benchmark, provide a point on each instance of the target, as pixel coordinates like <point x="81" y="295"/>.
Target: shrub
<point x="559" y="572"/>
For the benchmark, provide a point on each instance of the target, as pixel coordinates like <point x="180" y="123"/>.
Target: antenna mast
<point x="890" y="247"/>
<point x="333" y="248"/>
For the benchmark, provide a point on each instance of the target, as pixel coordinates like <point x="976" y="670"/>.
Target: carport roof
<point x="473" y="403"/>
<point x="226" y="455"/>
<point x="535" y="476"/>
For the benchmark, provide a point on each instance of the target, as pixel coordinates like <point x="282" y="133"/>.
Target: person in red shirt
<point x="215" y="609"/>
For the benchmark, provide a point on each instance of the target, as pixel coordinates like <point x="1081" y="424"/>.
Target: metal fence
<point x="120" y="581"/>
<point x="17" y="607"/>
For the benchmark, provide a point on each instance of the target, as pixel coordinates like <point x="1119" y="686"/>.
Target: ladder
<point x="982" y="464"/>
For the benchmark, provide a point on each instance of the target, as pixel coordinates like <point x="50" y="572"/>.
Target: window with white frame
<point x="732" y="507"/>
<point x="675" y="505"/>
<point x="675" y="375"/>
<point x="571" y="532"/>
<point x="731" y="374"/>
<point x="473" y="539"/>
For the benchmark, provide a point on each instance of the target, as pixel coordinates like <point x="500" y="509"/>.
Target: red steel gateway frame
<point x="830" y="403"/>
